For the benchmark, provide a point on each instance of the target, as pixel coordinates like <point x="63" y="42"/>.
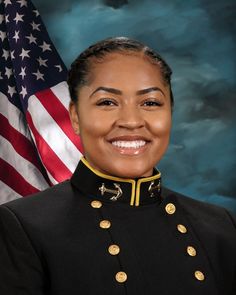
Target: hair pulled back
<point x="81" y="67"/>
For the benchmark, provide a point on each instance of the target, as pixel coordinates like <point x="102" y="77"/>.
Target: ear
<point x="74" y="117"/>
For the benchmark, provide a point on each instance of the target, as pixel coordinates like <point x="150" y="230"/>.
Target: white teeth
<point x="135" y="144"/>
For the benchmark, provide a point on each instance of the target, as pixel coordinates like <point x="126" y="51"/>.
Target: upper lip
<point x="128" y="138"/>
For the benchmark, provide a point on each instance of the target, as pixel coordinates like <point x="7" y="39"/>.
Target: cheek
<point x="94" y="125"/>
<point x="160" y="125"/>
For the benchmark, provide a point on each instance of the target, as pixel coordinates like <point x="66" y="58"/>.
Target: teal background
<point x="197" y="38"/>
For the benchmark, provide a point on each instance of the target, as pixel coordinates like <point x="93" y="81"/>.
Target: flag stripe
<point x="51" y="161"/>
<point x="14" y="116"/>
<point x="19" y="142"/>
<point x="23" y="166"/>
<point x="61" y="90"/>
<point x="16" y="180"/>
<point x="7" y="193"/>
<point x="53" y="135"/>
<point x="59" y="114"/>
<point x="38" y="144"/>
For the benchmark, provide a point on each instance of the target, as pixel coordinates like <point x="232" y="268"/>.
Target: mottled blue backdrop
<point x="197" y="38"/>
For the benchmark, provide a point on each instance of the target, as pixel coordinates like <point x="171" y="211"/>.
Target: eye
<point x="106" y="102"/>
<point x="152" y="103"/>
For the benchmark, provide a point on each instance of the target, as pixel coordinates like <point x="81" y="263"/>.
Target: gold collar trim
<point x="136" y="185"/>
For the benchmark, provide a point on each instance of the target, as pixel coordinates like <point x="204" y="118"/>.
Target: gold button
<point x="181" y="228"/>
<point x="191" y="251"/>
<point x="170" y="208"/>
<point x="96" y="204"/>
<point x="105" y="224"/>
<point x="121" y="277"/>
<point x="199" y="275"/>
<point x="114" y="249"/>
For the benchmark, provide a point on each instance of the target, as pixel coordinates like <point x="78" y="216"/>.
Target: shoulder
<point x="55" y="192"/>
<point x="213" y="232"/>
<point x="205" y="217"/>
<point x="43" y="206"/>
<point x="199" y="209"/>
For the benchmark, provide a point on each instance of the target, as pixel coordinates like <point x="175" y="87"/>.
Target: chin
<point x="130" y="171"/>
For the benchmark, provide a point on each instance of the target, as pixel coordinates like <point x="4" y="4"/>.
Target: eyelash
<point x="152" y="103"/>
<point x="106" y="102"/>
<point x="111" y="102"/>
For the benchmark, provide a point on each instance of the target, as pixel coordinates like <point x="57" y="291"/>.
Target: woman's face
<point x="123" y="116"/>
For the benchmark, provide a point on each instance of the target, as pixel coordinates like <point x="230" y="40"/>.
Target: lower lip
<point x="131" y="151"/>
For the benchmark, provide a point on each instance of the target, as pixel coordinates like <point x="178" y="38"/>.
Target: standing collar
<point x="134" y="192"/>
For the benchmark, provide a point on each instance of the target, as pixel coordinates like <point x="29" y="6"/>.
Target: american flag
<point x="38" y="147"/>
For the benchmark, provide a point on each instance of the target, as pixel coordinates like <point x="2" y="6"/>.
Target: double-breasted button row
<point x="170" y="209"/>
<point x="113" y="249"/>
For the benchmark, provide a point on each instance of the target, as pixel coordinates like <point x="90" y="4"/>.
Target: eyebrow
<point x="147" y="90"/>
<point x="119" y="92"/>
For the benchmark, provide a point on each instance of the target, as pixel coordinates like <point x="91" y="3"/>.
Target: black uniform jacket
<point x="101" y="235"/>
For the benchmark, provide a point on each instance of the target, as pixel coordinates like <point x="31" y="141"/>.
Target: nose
<point x="130" y="118"/>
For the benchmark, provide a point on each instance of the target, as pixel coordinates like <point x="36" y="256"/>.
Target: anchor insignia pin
<point x="152" y="188"/>
<point x="117" y="192"/>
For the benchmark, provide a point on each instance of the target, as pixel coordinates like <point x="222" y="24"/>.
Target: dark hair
<point x="80" y="68"/>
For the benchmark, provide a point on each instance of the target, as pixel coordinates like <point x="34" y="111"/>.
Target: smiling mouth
<point x="129" y="144"/>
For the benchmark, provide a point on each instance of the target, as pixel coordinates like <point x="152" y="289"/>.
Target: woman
<point x="112" y="228"/>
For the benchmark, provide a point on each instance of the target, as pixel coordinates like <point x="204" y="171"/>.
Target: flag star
<point x="6" y="54"/>
<point x="1" y="18"/>
<point x="24" y="53"/>
<point x="8" y="72"/>
<point x="35" y="26"/>
<point x="18" y="18"/>
<point x="38" y="75"/>
<point x="7" y="18"/>
<point x="12" y="54"/>
<point x="11" y="90"/>
<point x="6" y="2"/>
<point x="23" y="91"/>
<point x="42" y="62"/>
<point x="59" y="68"/>
<point x="31" y="38"/>
<point x="16" y="36"/>
<point x="22" y="73"/>
<point x="36" y="12"/>
<point x="45" y="46"/>
<point x="22" y="3"/>
<point x="3" y="35"/>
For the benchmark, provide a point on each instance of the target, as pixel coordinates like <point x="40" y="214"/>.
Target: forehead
<point x="125" y="68"/>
